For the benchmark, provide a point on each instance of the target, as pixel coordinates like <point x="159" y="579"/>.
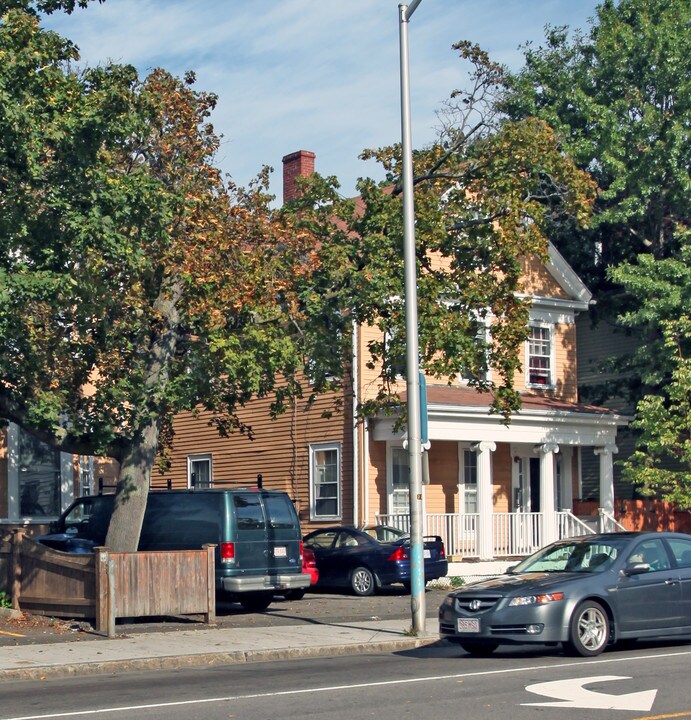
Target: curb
<point x="236" y="657"/>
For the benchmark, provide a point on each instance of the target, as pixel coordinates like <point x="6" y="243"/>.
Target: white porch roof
<point x="463" y="415"/>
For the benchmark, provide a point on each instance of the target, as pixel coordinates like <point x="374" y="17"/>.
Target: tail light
<point x="399" y="553"/>
<point x="228" y="552"/>
<point x="309" y="559"/>
<point x="442" y="550"/>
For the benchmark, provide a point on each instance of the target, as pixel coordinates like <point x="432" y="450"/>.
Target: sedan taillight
<point x="399" y="553"/>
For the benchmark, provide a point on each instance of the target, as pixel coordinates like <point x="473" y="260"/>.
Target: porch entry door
<point x="527" y="492"/>
<point x="399" y="497"/>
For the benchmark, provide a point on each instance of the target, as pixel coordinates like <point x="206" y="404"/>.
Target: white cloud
<point x="320" y="75"/>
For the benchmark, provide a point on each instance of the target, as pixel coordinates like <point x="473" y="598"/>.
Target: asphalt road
<point x="439" y="681"/>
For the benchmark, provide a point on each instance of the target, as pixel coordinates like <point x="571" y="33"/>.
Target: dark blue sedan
<point x="350" y="558"/>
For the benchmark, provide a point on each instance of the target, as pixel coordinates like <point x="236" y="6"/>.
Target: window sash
<point x="325" y="473"/>
<point x="540" y="356"/>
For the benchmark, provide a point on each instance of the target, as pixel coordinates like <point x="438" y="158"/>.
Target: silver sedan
<point x="585" y="593"/>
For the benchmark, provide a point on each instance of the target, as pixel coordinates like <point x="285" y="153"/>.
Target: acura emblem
<point x="475" y="604"/>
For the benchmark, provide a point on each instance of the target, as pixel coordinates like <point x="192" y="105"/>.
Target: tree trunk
<point x="132" y="491"/>
<point x="140" y="453"/>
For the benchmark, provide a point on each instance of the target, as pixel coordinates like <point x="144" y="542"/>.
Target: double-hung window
<point x="325" y="481"/>
<point x="199" y="471"/>
<point x="469" y="484"/>
<point x="540" y="370"/>
<point x="40" y="479"/>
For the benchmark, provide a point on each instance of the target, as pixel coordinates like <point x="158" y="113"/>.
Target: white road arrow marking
<point x="573" y="695"/>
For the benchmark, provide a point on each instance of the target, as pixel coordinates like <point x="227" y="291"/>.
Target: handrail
<point x="608" y="521"/>
<point x="587" y="530"/>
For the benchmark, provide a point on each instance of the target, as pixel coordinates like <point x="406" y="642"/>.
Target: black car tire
<point x="588" y="630"/>
<point x="362" y="581"/>
<point x="297" y="594"/>
<point x="479" y="649"/>
<point x="256" y="601"/>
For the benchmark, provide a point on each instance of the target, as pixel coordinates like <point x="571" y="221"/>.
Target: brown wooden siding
<point x="278" y="450"/>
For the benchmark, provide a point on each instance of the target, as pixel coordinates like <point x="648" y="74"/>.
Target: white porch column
<point x="607" y="476"/>
<point x="485" y="545"/>
<point x="547" y="494"/>
<point x="566" y="479"/>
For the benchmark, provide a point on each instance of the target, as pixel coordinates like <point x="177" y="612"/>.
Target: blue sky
<point x="319" y="75"/>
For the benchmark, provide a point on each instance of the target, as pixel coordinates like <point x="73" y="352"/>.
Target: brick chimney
<point x="297" y="164"/>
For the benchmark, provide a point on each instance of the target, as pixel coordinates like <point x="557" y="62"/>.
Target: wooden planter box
<point x="104" y="585"/>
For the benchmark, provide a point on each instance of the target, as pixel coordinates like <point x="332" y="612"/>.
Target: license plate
<point x="464" y="625"/>
<point x="280" y="551"/>
<point x="427" y="554"/>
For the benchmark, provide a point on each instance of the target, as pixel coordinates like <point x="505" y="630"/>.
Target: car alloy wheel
<point x="362" y="581"/>
<point x="588" y="629"/>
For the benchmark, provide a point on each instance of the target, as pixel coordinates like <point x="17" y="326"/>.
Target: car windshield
<point x="583" y="557"/>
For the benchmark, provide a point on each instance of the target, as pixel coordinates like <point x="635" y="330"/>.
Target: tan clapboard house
<point x="495" y="490"/>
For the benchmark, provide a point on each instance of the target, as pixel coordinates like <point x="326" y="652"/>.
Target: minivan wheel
<point x="256" y="601"/>
<point x="362" y="581"/>
<point x="588" y="630"/>
<point x="294" y="594"/>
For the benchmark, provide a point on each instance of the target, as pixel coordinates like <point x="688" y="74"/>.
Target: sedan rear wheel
<point x="362" y="581"/>
<point x="588" y="630"/>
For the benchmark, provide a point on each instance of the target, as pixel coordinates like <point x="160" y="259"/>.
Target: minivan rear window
<point x="248" y="512"/>
<point x="280" y="510"/>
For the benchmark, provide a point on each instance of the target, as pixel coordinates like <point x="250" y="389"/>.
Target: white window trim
<point x="463" y="487"/>
<point x="314" y="448"/>
<point x="199" y="458"/>
<point x="13" y="503"/>
<point x="552" y="358"/>
<point x="389" y="476"/>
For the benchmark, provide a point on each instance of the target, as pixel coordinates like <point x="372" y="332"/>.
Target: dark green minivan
<point x="256" y="533"/>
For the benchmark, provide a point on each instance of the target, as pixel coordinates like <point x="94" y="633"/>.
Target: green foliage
<point x="135" y="281"/>
<point x="661" y="464"/>
<point x="5" y="600"/>
<point x="484" y="194"/>
<point x="619" y="98"/>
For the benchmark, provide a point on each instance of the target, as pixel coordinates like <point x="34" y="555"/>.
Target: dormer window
<point x="540" y="366"/>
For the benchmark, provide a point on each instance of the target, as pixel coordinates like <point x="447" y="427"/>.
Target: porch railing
<point x="513" y="534"/>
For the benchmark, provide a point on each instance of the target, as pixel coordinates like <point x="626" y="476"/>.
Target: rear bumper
<point x="273" y="583"/>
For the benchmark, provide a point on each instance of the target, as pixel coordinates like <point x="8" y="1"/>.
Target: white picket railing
<point x="514" y="534"/>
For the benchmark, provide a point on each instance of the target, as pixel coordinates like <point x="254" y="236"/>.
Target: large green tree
<point x="619" y="98"/>
<point x="135" y="281"/>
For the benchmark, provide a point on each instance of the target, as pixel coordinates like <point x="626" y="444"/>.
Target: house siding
<point x="278" y="450"/>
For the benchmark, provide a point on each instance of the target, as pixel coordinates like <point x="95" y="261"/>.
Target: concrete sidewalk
<point x="220" y="646"/>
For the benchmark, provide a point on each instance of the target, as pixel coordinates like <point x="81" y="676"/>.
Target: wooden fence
<point x="104" y="585"/>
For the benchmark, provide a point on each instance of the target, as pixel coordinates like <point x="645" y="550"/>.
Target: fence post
<point x="210" y="615"/>
<point x="16" y="567"/>
<point x="105" y="618"/>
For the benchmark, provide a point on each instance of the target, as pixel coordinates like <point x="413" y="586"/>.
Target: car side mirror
<point x="637" y="568"/>
<point x="509" y="570"/>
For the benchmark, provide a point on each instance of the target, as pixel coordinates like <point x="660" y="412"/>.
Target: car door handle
<point x="671" y="581"/>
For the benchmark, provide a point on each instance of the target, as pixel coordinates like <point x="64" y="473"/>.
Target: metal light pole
<point x="417" y="567"/>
